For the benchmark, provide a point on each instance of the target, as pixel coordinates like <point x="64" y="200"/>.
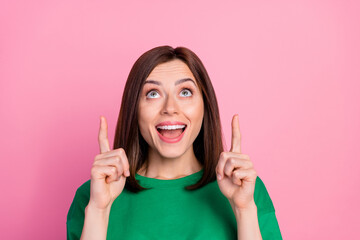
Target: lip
<point x="171" y="140"/>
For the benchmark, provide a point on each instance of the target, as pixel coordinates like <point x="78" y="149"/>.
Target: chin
<point x="171" y="153"/>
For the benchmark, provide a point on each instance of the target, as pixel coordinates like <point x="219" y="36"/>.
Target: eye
<point x="152" y="93"/>
<point x="187" y="91"/>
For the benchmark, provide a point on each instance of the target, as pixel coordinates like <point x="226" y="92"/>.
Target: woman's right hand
<point x="108" y="173"/>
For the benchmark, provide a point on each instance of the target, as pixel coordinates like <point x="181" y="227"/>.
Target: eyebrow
<point x="176" y="83"/>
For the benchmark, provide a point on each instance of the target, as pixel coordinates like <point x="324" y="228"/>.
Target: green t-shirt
<point x="168" y="211"/>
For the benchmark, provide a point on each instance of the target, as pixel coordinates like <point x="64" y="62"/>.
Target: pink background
<point x="290" y="69"/>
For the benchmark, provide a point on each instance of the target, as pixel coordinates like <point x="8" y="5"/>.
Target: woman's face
<point x="172" y="98"/>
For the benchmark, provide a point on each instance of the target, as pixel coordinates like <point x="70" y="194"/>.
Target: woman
<point x="160" y="181"/>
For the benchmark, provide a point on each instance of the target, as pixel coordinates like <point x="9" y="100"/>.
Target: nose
<point x="170" y="105"/>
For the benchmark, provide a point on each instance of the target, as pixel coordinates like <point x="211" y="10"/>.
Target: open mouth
<point x="173" y="132"/>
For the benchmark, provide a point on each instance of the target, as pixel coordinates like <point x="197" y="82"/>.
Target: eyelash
<point x="156" y="89"/>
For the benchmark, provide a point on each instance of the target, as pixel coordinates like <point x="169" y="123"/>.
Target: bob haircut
<point x="208" y="144"/>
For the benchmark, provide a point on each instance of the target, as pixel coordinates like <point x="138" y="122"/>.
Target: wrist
<point x="99" y="211"/>
<point x="95" y="223"/>
<point x="247" y="221"/>
<point x="250" y="209"/>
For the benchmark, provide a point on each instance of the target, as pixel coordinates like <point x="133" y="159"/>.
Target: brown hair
<point x="128" y="136"/>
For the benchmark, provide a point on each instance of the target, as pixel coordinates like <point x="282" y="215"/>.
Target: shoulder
<point x="262" y="198"/>
<point x="84" y="189"/>
<point x="82" y="195"/>
<point x="80" y="200"/>
<point x="82" y="192"/>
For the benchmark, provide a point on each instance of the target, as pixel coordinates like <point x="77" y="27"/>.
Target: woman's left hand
<point x="238" y="176"/>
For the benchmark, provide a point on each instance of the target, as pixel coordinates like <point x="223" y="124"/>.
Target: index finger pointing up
<point x="103" y="136"/>
<point x="235" y="136"/>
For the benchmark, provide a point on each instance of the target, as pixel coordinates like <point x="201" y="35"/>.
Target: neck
<point x="161" y="167"/>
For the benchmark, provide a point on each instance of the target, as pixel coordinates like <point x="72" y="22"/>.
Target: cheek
<point x="143" y="118"/>
<point x="195" y="112"/>
<point x="147" y="114"/>
<point x="145" y="111"/>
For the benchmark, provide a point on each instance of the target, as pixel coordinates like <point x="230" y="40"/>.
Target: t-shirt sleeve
<point x="76" y="213"/>
<point x="268" y="223"/>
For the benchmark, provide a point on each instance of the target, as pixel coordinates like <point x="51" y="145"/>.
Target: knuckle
<point x="94" y="170"/>
<point x="120" y="150"/>
<point x="232" y="160"/>
<point x="226" y="165"/>
<point x="229" y="163"/>
<point x="117" y="158"/>
<point x="222" y="155"/>
<point x="97" y="157"/>
<point x="227" y="170"/>
<point x="125" y="168"/>
<point x="120" y="166"/>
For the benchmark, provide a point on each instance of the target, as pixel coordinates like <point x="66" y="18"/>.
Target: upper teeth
<point x="171" y="127"/>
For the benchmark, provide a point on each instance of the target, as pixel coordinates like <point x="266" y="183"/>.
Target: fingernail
<point x="127" y="173"/>
<point x="219" y="176"/>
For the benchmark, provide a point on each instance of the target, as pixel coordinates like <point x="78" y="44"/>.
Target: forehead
<point x="172" y="70"/>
